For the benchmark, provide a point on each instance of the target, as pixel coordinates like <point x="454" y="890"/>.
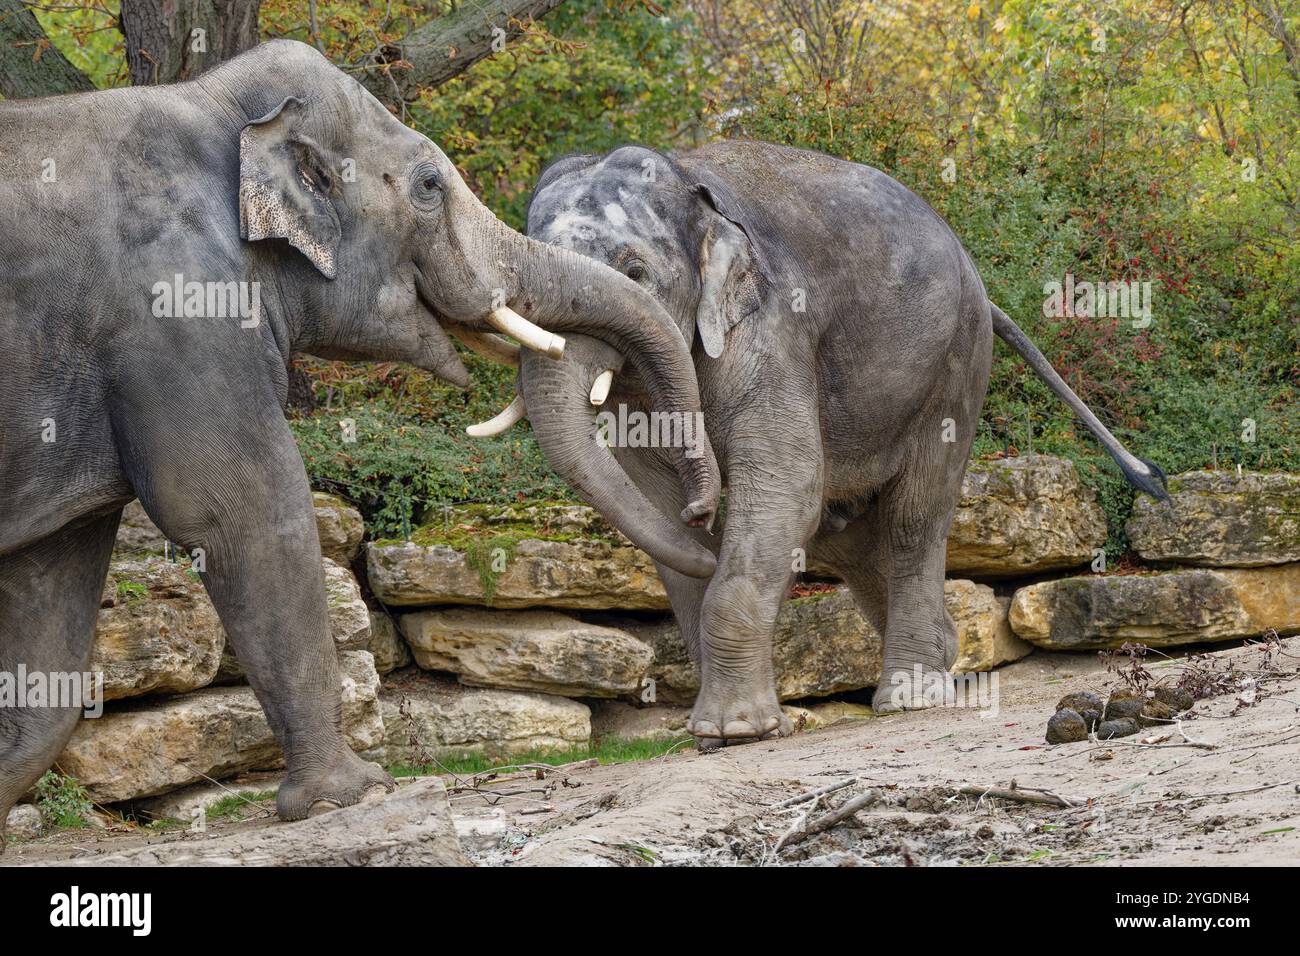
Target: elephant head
<point x="390" y="252"/>
<point x="684" y="243"/>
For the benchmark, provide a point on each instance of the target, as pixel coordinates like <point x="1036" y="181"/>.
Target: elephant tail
<point x="1142" y="474"/>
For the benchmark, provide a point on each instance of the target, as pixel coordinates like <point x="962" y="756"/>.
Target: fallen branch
<point x="813" y="794"/>
<point x="1045" y="797"/>
<point x="805" y="829"/>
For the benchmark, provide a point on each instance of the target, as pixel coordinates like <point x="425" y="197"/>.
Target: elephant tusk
<point x="529" y="335"/>
<point x="510" y="415"/>
<point x="492" y="347"/>
<point x="600" y="388"/>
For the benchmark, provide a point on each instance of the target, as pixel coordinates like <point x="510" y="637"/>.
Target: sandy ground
<point x="1223" y="790"/>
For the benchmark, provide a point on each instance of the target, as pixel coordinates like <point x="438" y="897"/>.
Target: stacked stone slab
<point x="1224" y="564"/>
<point x="550" y="602"/>
<point x="505" y="630"/>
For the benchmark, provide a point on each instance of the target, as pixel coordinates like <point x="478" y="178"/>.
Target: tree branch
<point x="436" y="51"/>
<point x="30" y="65"/>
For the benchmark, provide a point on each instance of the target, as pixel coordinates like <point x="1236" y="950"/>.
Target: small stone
<point x="24" y="822"/>
<point x="1122" y="727"/>
<point x="1066" y="726"/>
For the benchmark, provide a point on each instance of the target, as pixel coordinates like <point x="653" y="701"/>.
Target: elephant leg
<point x="235" y="495"/>
<point x="773" y="508"/>
<point x="860" y="555"/>
<point x="920" y="638"/>
<point x="49" y="597"/>
<point x="652" y="472"/>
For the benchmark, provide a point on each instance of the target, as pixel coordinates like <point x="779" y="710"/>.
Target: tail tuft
<point x="1153" y="483"/>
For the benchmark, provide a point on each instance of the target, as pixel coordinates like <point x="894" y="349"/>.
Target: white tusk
<point x="510" y="415"/>
<point x="492" y="347"/>
<point x="529" y="335"/>
<point x="600" y="388"/>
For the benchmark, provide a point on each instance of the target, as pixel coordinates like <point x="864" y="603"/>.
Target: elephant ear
<point x="284" y="187"/>
<point x="732" y="276"/>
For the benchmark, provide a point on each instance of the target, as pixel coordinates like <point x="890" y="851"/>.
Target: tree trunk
<point x="172" y="40"/>
<point x="29" y="64"/>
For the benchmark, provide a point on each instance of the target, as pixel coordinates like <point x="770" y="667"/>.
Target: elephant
<point x="842" y="340"/>
<point x="166" y="251"/>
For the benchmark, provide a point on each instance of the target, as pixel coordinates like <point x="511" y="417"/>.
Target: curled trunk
<point x="564" y="421"/>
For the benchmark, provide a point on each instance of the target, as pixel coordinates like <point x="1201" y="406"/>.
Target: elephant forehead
<point x="609" y="216"/>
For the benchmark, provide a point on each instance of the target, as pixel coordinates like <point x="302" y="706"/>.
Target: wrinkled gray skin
<point x="185" y="413"/>
<point x="828" y="422"/>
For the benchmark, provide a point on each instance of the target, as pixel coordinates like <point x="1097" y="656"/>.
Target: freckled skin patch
<point x="615" y="214"/>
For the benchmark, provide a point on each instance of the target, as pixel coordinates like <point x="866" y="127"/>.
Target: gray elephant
<point x="842" y="340"/>
<point x="166" y="250"/>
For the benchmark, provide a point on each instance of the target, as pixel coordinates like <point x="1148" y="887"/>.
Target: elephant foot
<point x="737" y="717"/>
<point x="914" y="687"/>
<point x="349" y="781"/>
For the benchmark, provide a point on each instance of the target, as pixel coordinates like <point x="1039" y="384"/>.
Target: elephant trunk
<point x="562" y="290"/>
<point x="565" y="423"/>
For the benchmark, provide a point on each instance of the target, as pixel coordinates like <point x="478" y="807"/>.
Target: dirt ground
<point x="1220" y="788"/>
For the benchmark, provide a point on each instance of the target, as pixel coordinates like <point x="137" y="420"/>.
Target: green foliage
<point x="1110" y="139"/>
<point x="594" y="75"/>
<point x="1179" y="392"/>
<point x="62" y="801"/>
<point x="608" y="750"/>
<point x="130" y="592"/>
<point x="403" y="467"/>
<point x="234" y="806"/>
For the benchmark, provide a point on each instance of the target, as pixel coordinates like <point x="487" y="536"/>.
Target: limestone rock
<point x="1020" y="516"/>
<point x="427" y="716"/>
<point x="984" y="635"/>
<point x="1217" y="519"/>
<point x="145" y="749"/>
<point x="622" y="721"/>
<point x="386" y="644"/>
<point x="137" y="535"/>
<point x="1092" y="612"/>
<point x="540" y="651"/>
<point x="24" y="822"/>
<point x="542" y="556"/>
<point x="348" y="615"/>
<point x="828" y="714"/>
<point x="156" y="632"/>
<point x="339" y="527"/>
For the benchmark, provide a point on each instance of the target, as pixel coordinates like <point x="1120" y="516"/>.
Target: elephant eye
<point x="635" y="271"/>
<point x="426" y="184"/>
